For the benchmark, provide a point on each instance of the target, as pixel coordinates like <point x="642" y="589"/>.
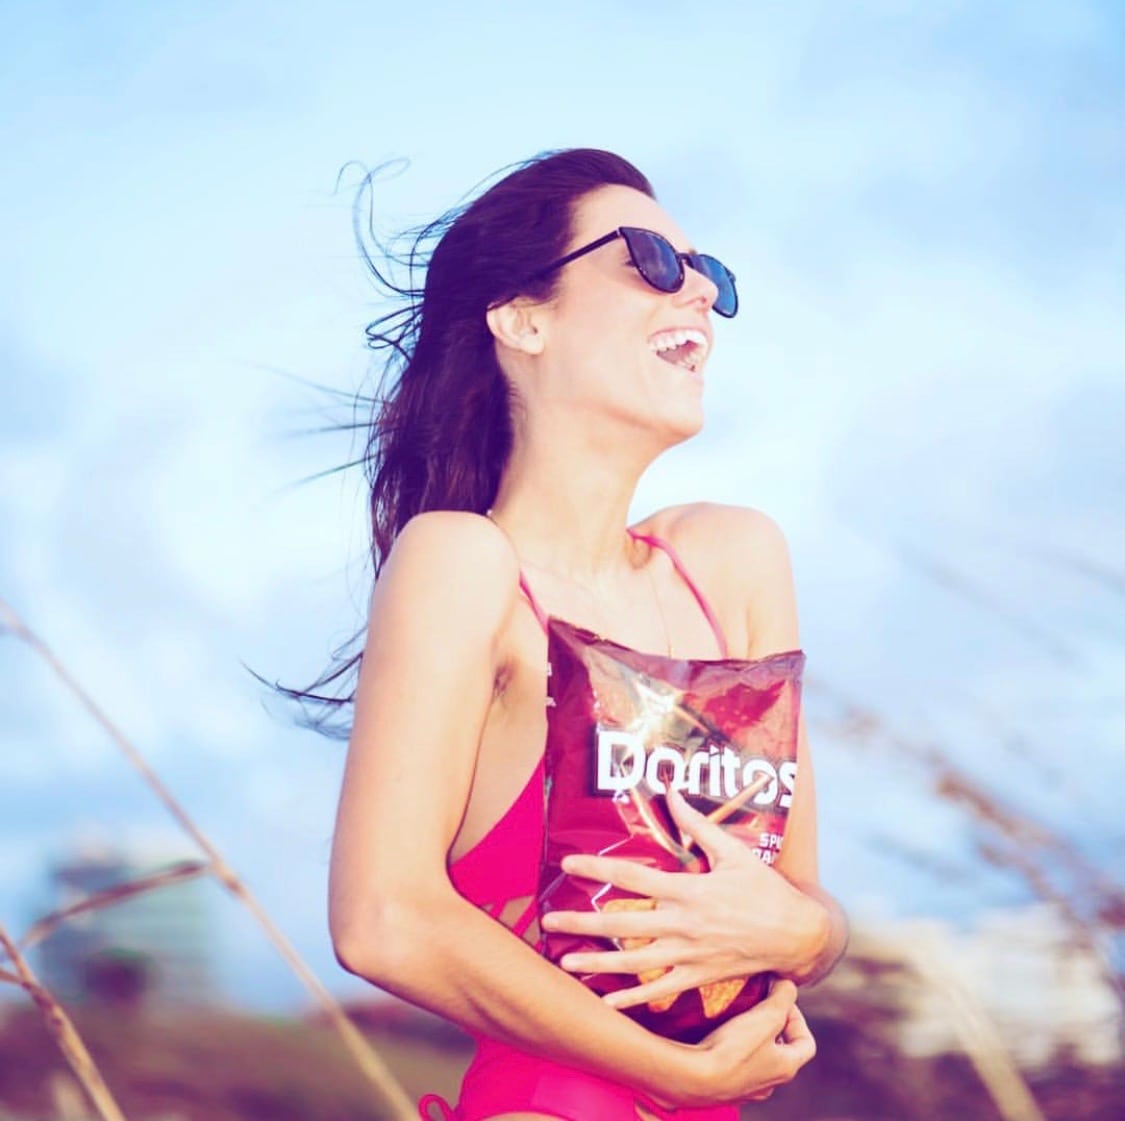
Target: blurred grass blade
<point x="185" y="870"/>
<point x="365" y="1056"/>
<point x="65" y="1034"/>
<point x="979" y="1037"/>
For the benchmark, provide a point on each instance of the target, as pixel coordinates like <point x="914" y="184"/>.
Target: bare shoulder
<point x="742" y="555"/>
<point x="732" y="536"/>
<point x="448" y="566"/>
<point x="457" y="535"/>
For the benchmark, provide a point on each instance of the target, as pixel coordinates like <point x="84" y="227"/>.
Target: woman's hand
<point x="752" y="1054"/>
<point x="741" y="917"/>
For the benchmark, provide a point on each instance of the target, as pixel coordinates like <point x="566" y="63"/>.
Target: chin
<point x="684" y="424"/>
<point x="682" y="412"/>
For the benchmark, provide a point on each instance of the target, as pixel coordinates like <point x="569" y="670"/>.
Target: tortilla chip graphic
<point x="718" y="995"/>
<point x="642" y="904"/>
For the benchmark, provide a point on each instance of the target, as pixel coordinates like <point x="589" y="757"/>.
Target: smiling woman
<point x="558" y="346"/>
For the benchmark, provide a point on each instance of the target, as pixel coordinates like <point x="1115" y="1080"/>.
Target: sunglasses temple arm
<point x="580" y="252"/>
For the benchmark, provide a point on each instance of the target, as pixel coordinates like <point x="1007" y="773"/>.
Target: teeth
<point x="666" y="340"/>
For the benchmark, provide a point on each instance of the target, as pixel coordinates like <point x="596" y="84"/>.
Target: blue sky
<point x="925" y="209"/>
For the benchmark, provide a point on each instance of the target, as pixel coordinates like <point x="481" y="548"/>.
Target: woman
<point x="541" y="373"/>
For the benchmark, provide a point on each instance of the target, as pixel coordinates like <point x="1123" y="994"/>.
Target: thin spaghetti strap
<point x="700" y="598"/>
<point x="525" y="587"/>
<point x="540" y="614"/>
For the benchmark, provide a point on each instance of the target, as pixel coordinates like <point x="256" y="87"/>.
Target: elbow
<point x="380" y="943"/>
<point x="350" y="948"/>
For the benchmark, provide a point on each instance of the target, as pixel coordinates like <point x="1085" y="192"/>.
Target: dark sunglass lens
<point x="726" y="302"/>
<point x="656" y="259"/>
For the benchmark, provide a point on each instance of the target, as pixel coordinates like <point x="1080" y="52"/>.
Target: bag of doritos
<point x="621" y="725"/>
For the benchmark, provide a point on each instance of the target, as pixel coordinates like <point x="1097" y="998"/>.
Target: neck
<point x="565" y="504"/>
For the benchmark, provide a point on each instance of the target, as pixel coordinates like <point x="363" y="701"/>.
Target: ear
<point x="515" y="325"/>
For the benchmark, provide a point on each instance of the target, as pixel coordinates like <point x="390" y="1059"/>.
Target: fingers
<point x="798" y="1037"/>
<point x="625" y="874"/>
<point x="783" y="992"/>
<point x="671" y="983"/>
<point x="787" y="1052"/>
<point x="797" y="1054"/>
<point x="771" y="1015"/>
<point x="761" y="1025"/>
<point x="795" y="1024"/>
<point x="711" y="838"/>
<point x="611" y="924"/>
<point x="765" y="1047"/>
<point x="637" y="960"/>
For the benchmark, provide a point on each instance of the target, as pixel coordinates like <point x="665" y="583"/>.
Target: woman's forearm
<point x="445" y="955"/>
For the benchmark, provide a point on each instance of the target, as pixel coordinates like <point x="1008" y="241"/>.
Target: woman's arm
<point x="741" y="917"/>
<point x="819" y="941"/>
<point x="434" y="649"/>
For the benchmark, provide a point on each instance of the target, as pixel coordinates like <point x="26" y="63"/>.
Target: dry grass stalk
<point x="185" y="870"/>
<point x="1056" y="871"/>
<point x="67" y="1099"/>
<point x="365" y="1056"/>
<point x="64" y="1032"/>
<point x="1022" y="846"/>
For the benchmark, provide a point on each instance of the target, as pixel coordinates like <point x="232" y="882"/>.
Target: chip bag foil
<point x="621" y="724"/>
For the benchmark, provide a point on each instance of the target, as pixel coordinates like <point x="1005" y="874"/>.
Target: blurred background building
<point x="155" y="944"/>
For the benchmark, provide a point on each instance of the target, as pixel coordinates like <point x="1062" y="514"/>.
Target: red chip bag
<point x="622" y="724"/>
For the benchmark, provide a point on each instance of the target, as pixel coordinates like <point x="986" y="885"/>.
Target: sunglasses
<point x="657" y="261"/>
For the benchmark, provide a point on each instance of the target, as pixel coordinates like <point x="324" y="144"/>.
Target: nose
<point x="697" y="287"/>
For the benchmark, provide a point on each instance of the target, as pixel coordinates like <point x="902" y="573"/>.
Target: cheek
<point x="597" y="313"/>
<point x="610" y="310"/>
<point x="603" y="335"/>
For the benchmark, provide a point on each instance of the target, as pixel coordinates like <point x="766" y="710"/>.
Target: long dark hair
<point x="440" y="432"/>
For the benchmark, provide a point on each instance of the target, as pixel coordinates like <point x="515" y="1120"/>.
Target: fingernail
<point x="567" y="961"/>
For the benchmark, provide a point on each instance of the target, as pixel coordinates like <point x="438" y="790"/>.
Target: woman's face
<point x="600" y="335"/>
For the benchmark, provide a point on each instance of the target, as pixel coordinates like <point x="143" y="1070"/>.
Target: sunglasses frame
<point x="694" y="260"/>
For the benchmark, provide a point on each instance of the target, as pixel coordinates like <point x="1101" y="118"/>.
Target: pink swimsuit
<point x="500" y="875"/>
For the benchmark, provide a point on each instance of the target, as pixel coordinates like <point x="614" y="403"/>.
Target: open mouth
<point x="682" y="347"/>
